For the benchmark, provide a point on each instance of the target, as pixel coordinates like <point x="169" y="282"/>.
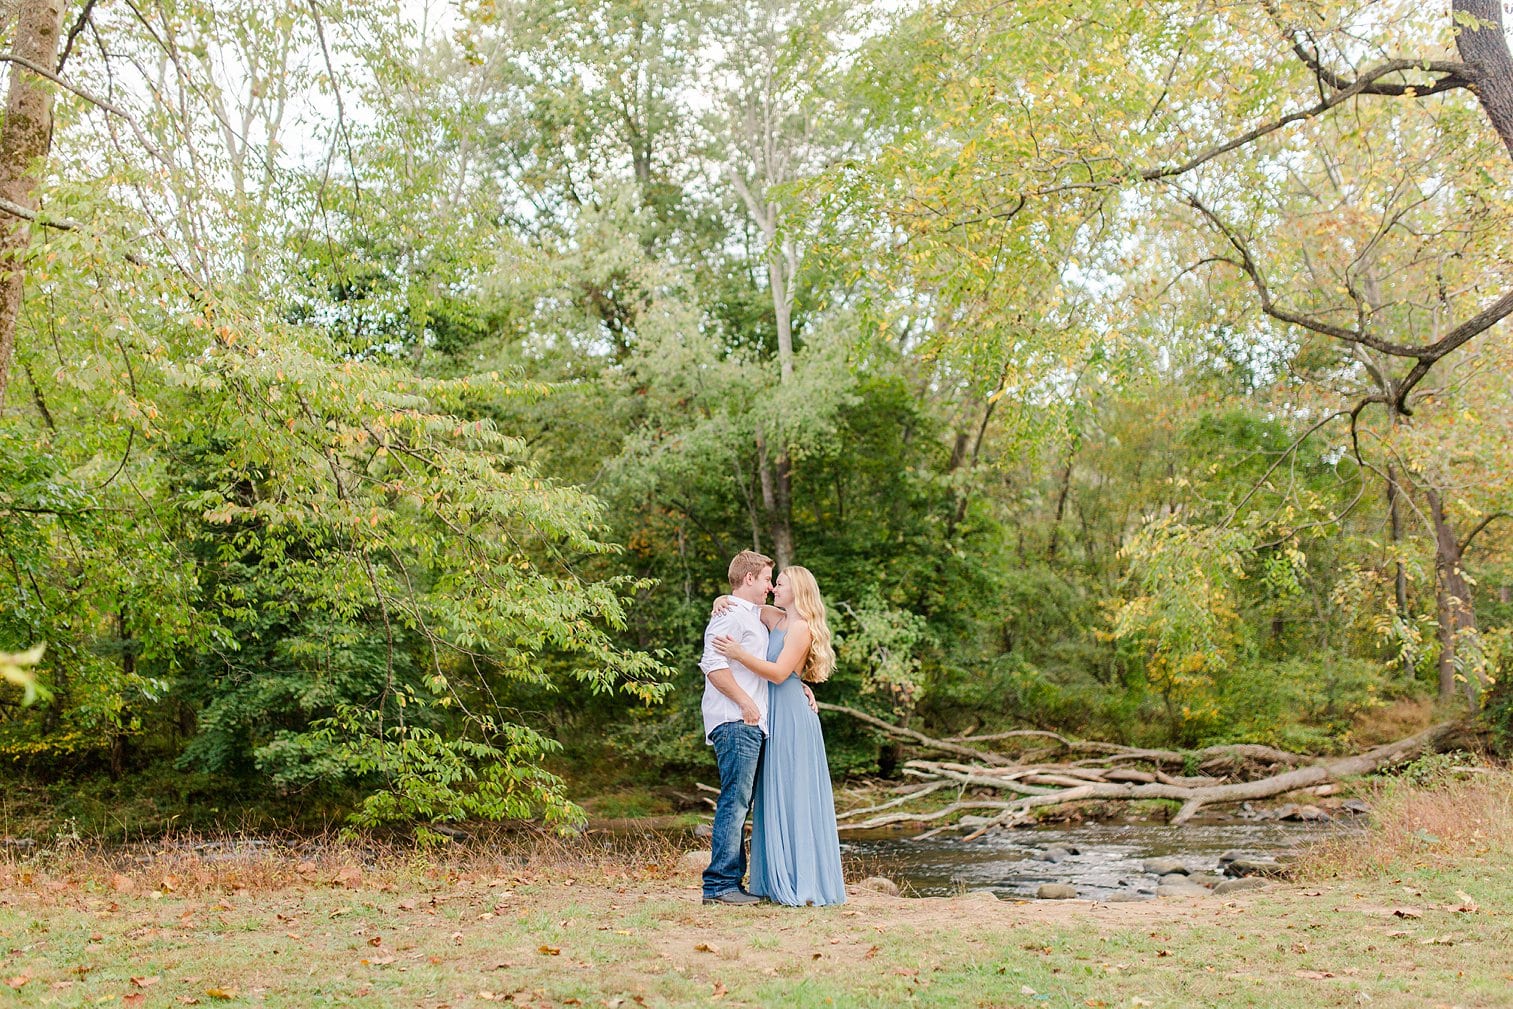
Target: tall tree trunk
<point x="1400" y="574"/>
<point x="776" y="500"/>
<point x="1484" y="49"/>
<point x="25" y="140"/>
<point x="780" y="271"/>
<point x="782" y="513"/>
<point x="1062" y="493"/>
<point x="1457" y="618"/>
<point x="120" y="741"/>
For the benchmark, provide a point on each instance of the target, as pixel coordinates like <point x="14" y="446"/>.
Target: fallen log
<point x="1208" y="756"/>
<point x="899" y="732"/>
<point x="1039" y="785"/>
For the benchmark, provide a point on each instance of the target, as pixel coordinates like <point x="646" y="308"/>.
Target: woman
<point x="795" y="851"/>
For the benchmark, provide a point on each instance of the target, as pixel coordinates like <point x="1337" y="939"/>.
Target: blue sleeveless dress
<point x="795" y="850"/>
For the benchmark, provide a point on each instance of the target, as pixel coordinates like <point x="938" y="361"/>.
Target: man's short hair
<point x="747" y="562"/>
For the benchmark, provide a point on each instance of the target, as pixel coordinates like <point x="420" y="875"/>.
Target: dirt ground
<point x="449" y="941"/>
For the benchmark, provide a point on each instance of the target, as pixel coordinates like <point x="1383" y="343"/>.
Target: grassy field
<point x="1417" y="914"/>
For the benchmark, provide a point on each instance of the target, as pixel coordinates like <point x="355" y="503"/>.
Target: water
<point x="1012" y="863"/>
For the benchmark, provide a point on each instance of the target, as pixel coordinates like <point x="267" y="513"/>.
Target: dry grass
<point x="1464" y="814"/>
<point x="188" y="864"/>
<point x="1398" y="720"/>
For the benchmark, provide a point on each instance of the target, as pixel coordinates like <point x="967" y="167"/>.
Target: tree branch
<point x="93" y="99"/>
<point x="56" y="223"/>
<point x="1466" y="543"/>
<point x="1366" y="84"/>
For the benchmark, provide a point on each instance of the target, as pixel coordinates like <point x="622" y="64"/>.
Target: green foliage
<point x="1183" y="616"/>
<point x="424" y="776"/>
<point x="363" y="477"/>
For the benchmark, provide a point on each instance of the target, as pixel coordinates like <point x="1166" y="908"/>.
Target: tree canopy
<point x="385" y="389"/>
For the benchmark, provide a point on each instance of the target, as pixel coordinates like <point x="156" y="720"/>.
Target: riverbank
<point x="474" y="942"/>
<point x="1420" y="913"/>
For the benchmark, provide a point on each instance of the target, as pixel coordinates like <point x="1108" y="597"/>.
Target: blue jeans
<point x="738" y="752"/>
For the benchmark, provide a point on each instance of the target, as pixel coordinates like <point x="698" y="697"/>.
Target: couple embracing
<point x="760" y="717"/>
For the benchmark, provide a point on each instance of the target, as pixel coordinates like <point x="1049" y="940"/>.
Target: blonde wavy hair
<point x="811" y="609"/>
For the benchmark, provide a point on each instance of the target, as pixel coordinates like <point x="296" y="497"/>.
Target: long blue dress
<point x="795" y="850"/>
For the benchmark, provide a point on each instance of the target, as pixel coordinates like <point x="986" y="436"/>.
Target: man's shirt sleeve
<point x="721" y="624"/>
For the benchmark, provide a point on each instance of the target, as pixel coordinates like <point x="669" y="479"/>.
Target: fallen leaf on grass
<point x="1438" y="940"/>
<point x="705" y="947"/>
<point x="19" y="981"/>
<point x="1095" y="1003"/>
<point x="145" y="982"/>
<point x="224" y="994"/>
<point x="1407" y="912"/>
<point x="377" y="940"/>
<point x="188" y="1000"/>
<point x="1467" y="905"/>
<point x="1312" y="975"/>
<point x="719" y="990"/>
<point x="134" y="999"/>
<point x="549" y="950"/>
<point x="871" y="952"/>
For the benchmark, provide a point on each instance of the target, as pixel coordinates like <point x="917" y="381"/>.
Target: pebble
<point x="882" y="884"/>
<point x="1181" y="890"/>
<point x="1306" y="814"/>
<point x="1253" y="867"/>
<point x="1164" y="866"/>
<point x="1239" y="885"/>
<point x="1056" y="891"/>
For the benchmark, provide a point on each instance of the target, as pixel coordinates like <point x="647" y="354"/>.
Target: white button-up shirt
<point x="743" y="621"/>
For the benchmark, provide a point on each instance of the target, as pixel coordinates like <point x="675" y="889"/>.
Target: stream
<point x="1108" y="859"/>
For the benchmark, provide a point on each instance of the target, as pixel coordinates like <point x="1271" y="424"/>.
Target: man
<point x="735" y="723"/>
